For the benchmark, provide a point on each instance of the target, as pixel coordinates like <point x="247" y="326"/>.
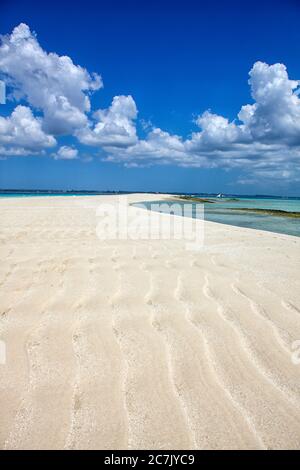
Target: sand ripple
<point x="141" y="344"/>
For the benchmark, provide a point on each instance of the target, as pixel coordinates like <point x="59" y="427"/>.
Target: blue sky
<point x="176" y="61"/>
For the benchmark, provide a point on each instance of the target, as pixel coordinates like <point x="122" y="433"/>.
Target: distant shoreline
<point x="61" y="192"/>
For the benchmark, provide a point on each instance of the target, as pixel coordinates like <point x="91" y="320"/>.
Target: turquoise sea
<point x="221" y="212"/>
<point x="15" y="194"/>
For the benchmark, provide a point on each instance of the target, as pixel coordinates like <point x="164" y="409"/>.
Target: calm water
<point x="220" y="212"/>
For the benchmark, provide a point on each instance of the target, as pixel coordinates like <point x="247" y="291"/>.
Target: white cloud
<point x="274" y="118"/>
<point x="263" y="140"/>
<point x="17" y="152"/>
<point x="115" y="126"/>
<point x="66" y="153"/>
<point x="275" y="115"/>
<point x="159" y="147"/>
<point x="21" y="133"/>
<point x="49" y="82"/>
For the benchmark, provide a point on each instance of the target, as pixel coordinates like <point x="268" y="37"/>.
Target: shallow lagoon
<point x="221" y="211"/>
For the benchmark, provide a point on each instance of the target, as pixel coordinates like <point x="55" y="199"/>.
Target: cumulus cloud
<point x="263" y="139"/>
<point x="17" y="152"/>
<point x="21" y="133"/>
<point x="159" y="147"/>
<point x="66" y="153"/>
<point x="114" y="127"/>
<point x="48" y="82"/>
<point x="274" y="117"/>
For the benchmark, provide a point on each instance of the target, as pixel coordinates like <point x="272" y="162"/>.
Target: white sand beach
<point x="142" y="344"/>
